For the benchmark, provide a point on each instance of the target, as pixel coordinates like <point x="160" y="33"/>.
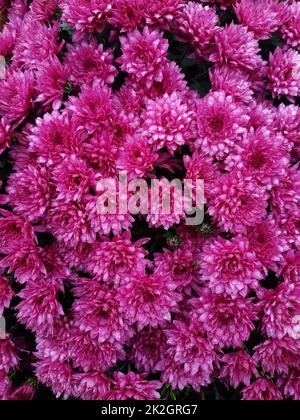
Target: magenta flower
<point x="133" y="387"/>
<point x="43" y="10"/>
<point x="290" y="30"/>
<point x="239" y="368"/>
<point x="128" y="15"/>
<point x="290" y="384"/>
<point x="262" y="390"/>
<point x="90" y="386"/>
<point x="56" y="375"/>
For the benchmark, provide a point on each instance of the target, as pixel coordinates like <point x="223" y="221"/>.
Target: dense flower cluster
<point x="107" y="306"/>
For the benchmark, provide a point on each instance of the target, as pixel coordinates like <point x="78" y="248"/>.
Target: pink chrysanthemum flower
<point x="54" y="347"/>
<point x="97" y="312"/>
<point x="112" y="260"/>
<point x="143" y="55"/>
<point x="233" y="82"/>
<point x="163" y="13"/>
<point x="136" y="157"/>
<point x="53" y="137"/>
<point x="197" y="25"/>
<point x="55" y="375"/>
<point x="16" y="96"/>
<point x="23" y="258"/>
<point x="262" y="390"/>
<point x="147" y="349"/>
<point x="290" y="268"/>
<point x="237" y="203"/>
<point x="128" y="15"/>
<point x="260" y="17"/>
<point x="101" y="154"/>
<point x="267" y="243"/>
<point x="73" y="179"/>
<point x="6" y="294"/>
<point x="86" y="16"/>
<point x="133" y="387"/>
<point x="290" y="384"/>
<point x="8" y="357"/>
<point x="230" y="267"/>
<point x="6" y="134"/>
<point x="280" y="309"/>
<point x="88" y="355"/>
<point x="51" y="78"/>
<point x="262" y="114"/>
<point x="36" y="43"/>
<point x="39" y="309"/>
<point x="57" y="270"/>
<point x="284" y="74"/>
<point x="290" y="30"/>
<point x="278" y="355"/>
<point x="181" y="264"/>
<point x="227" y="321"/>
<point x="289" y="224"/>
<point x="191" y="358"/>
<point x="239" y="369"/>
<point x="237" y="47"/>
<point x="91" y="386"/>
<point x="14" y="228"/>
<point x="167" y="122"/>
<point x="29" y="192"/>
<point x="288" y="125"/>
<point x="285" y="197"/>
<point x="262" y="156"/>
<point x="43" y="10"/>
<point x="149" y="300"/>
<point x="87" y="62"/>
<point x="220" y="124"/>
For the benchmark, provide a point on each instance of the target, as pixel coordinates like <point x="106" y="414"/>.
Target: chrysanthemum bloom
<point x="288" y="124"/>
<point x="128" y="15"/>
<point x="290" y="384"/>
<point x="285" y="197"/>
<point x="6" y="294"/>
<point x="227" y="321"/>
<point x="6" y="134"/>
<point x="221" y="123"/>
<point x="14" y="228"/>
<point x="29" y="192"/>
<point x="283" y="74"/>
<point x="232" y="81"/>
<point x="90" y="386"/>
<point x="43" y="10"/>
<point x="280" y="309"/>
<point x="92" y="110"/>
<point x="197" y="25"/>
<point x="147" y="349"/>
<point x="88" y="355"/>
<point x="37" y="42"/>
<point x="112" y="260"/>
<point x="167" y="122"/>
<point x="290" y="268"/>
<point x="8" y="357"/>
<point x="290" y="30"/>
<point x="262" y="390"/>
<point x="262" y="156"/>
<point x="136" y="157"/>
<point x="23" y="258"/>
<point x="133" y="387"/>
<point x="239" y="369"/>
<point x="148" y="300"/>
<point x="191" y="358"/>
<point x="143" y="55"/>
<point x="73" y="179"/>
<point x="101" y="153"/>
<point x="230" y="267"/>
<point x="237" y="203"/>
<point x="163" y="13"/>
<point x="260" y="17"/>
<point x="105" y="224"/>
<point x="237" y="47"/>
<point x="86" y="16"/>
<point x="54" y="137"/>
<point x="54" y="347"/>
<point x="39" y="309"/>
<point x="181" y="264"/>
<point x="87" y="62"/>
<point x="200" y="167"/>
<point x="16" y="96"/>
<point x="57" y="269"/>
<point x="266" y="242"/>
<point x="51" y="78"/>
<point x="97" y="312"/>
<point x="262" y="114"/>
<point x="278" y="355"/>
<point x="55" y="375"/>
